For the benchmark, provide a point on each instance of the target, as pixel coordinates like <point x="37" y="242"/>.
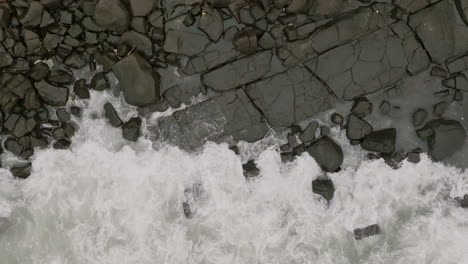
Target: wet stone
<point x="68" y="129"/>
<point x="250" y="170"/>
<point x="292" y="141"/>
<point x="52" y="95"/>
<point x="357" y="128"/>
<point x="327" y="154"/>
<point x="112" y="15"/>
<point x="245" y="41"/>
<point x="131" y="129"/>
<point x="62" y="144"/>
<point x="324" y="188"/>
<point x="76" y="111"/>
<point x="212" y="24"/>
<point x="13" y="146"/>
<point x="309" y="132"/>
<point x="287" y="157"/>
<point x="112" y="115"/>
<point x="21" y="171"/>
<point x="139" y="42"/>
<point x="440" y="108"/>
<point x="463" y="202"/>
<point x="367" y="231"/>
<point x="419" y="116"/>
<point x="63" y="115"/>
<point x="458" y="96"/>
<point x="99" y="82"/>
<point x="382" y="141"/>
<point x="266" y="41"/>
<point x="439" y="72"/>
<point x="60" y="77"/>
<point x="296" y="129"/>
<point x="324" y="131"/>
<point x="361" y="107"/>
<point x="39" y="71"/>
<point x="81" y="89"/>
<point x="447" y="137"/>
<point x="337" y="119"/>
<point x="414" y="157"/>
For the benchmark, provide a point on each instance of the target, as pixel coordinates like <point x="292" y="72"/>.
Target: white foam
<point x="104" y="201"/>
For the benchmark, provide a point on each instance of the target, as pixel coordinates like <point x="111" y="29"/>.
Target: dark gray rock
<point x="212" y="24"/>
<point x="81" y="89"/>
<point x="290" y="97"/>
<point x="385" y="107"/>
<point x="463" y="202"/>
<point x="39" y="71"/>
<point x="327" y="154"/>
<point x="111" y="115"/>
<point x="367" y="231"/>
<point x="60" y="77"/>
<point x="458" y="96"/>
<point x="131" y="129"/>
<point x="419" y="116"/>
<point x="5" y="59"/>
<point x="112" y="15"/>
<point x="63" y="115"/>
<point x="140" y="85"/>
<point x="52" y="95"/>
<point x="76" y="111"/>
<point x="357" y="128"/>
<point x="62" y="144"/>
<point x="337" y="119"/>
<point x="309" y="132"/>
<point x="324" y="188"/>
<point x="21" y="171"/>
<point x="13" y="146"/>
<point x="296" y="129"/>
<point x="267" y="41"/>
<point x="99" y="82"/>
<point x="189" y="20"/>
<point x="447" y="137"/>
<point x="185" y="43"/>
<point x="141" y="7"/>
<point x="292" y="141"/>
<point x="324" y="131"/>
<point x="33" y="15"/>
<point x="290" y="33"/>
<point x="239" y="72"/>
<point x="382" y="141"/>
<point x="439" y="72"/>
<point x="250" y="170"/>
<point x="5" y="17"/>
<point x="245" y="41"/>
<point x="440" y="108"/>
<point x="361" y="107"/>
<point x="139" y="42"/>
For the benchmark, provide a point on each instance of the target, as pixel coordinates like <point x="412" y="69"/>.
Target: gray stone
<point x="63" y="115"/>
<point x="111" y="115"/>
<point x="308" y="134"/>
<point x="81" y="89"/>
<point x="440" y="108"/>
<point x="267" y="41"/>
<point x="239" y="72"/>
<point x="33" y="15"/>
<point x="250" y="170"/>
<point x="361" y="107"/>
<point x="185" y="43"/>
<point x="367" y="231"/>
<point x="21" y="171"/>
<point x="324" y="188"/>
<point x="447" y="137"/>
<point x="5" y="17"/>
<point x="245" y="41"/>
<point x="457" y="81"/>
<point x="419" y="116"/>
<point x="371" y="63"/>
<point x="212" y="24"/>
<point x="382" y="141"/>
<point x="327" y="154"/>
<point x="290" y="97"/>
<point x="112" y="15"/>
<point x="441" y="30"/>
<point x="141" y="7"/>
<point x="131" y="129"/>
<point x="13" y="146"/>
<point x="412" y="6"/>
<point x="230" y="114"/>
<point x="439" y="72"/>
<point x="140" y="85"/>
<point x="99" y="82"/>
<point x="140" y="42"/>
<point x="357" y="128"/>
<point x="458" y="96"/>
<point x="385" y="107"/>
<point x="62" y="144"/>
<point x="457" y="65"/>
<point x="52" y="95"/>
<point x="323" y="9"/>
<point x="5" y="59"/>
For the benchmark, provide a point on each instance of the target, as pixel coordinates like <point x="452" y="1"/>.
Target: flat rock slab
<point x="371" y="63"/>
<point x="290" y="97"/>
<point x="138" y="81"/>
<point x="226" y="115"/>
<point x="239" y="72"/>
<point x="442" y="31"/>
<point x="412" y="6"/>
<point x="112" y="15"/>
<point x="185" y="43"/>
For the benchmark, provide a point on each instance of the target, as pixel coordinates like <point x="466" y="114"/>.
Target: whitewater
<point x="107" y="201"/>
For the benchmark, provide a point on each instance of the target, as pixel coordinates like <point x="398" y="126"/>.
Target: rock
<point x="324" y="188"/>
<point x="21" y="171"/>
<point x="292" y="141"/>
<point x="309" y="132"/>
<point x="33" y="15"/>
<point x="327" y="154"/>
<point x="369" y="67"/>
<point x="99" y="82"/>
<point x="5" y="59"/>
<point x="112" y="115"/>
<point x="189" y="20"/>
<point x="419" y="116"/>
<point x="385" y="107"/>
<point x="439" y="72"/>
<point x="13" y="146"/>
<point x="245" y="41"/>
<point x="361" y="107"/>
<point x="5" y="17"/>
<point x="76" y="111"/>
<point x="112" y="15"/>
<point x="63" y="115"/>
<point x="140" y="42"/>
<point x="185" y="43"/>
<point x="440" y="108"/>
<point x="60" y="77"/>
<point x="80" y="88"/>
<point x="141" y="7"/>
<point x="62" y="144"/>
<point x="131" y="129"/>
<point x="250" y="170"/>
<point x="458" y="96"/>
<point x="212" y="24"/>
<point x="382" y="141"/>
<point x="39" y="71"/>
<point x="52" y="95"/>
<point x="414" y="156"/>
<point x="357" y="128"/>
<point x="367" y="231"/>
<point x="439" y="27"/>
<point x="296" y="129"/>
<point x="456" y="65"/>
<point x="239" y="72"/>
<point x="337" y="119"/>
<point x="324" y="131"/>
<point x="290" y="33"/>
<point x="463" y="202"/>
<point x="289" y="97"/>
<point x="140" y="85"/>
<point x="447" y="137"/>
<point x="267" y="41"/>
<point x="52" y="4"/>
<point x="457" y="81"/>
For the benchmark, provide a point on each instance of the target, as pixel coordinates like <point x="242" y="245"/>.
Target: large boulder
<point x="52" y="95"/>
<point x="382" y="141"/>
<point x="139" y="83"/>
<point x="448" y="137"/>
<point x="327" y="154"/>
<point x="112" y="15"/>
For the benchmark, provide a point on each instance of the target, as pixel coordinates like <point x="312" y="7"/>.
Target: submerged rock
<point x="21" y="171"/>
<point x="140" y="85"/>
<point x="367" y="231"/>
<point x="327" y="154"/>
<point x="382" y="141"/>
<point x="324" y="188"/>
<point x="250" y="170"/>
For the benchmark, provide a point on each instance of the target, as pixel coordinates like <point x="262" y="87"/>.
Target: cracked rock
<point x="140" y="85"/>
<point x="382" y="141"/>
<point x="245" y="41"/>
<point x="185" y="43"/>
<point x="212" y="24"/>
<point x="239" y="72"/>
<point x="440" y="108"/>
<point x="327" y="154"/>
<point x="290" y="97"/>
<point x="33" y="15"/>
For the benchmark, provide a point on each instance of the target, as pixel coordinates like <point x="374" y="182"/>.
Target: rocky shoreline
<point x="266" y="65"/>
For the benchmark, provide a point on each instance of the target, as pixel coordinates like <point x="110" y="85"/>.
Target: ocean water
<point x="104" y="201"/>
